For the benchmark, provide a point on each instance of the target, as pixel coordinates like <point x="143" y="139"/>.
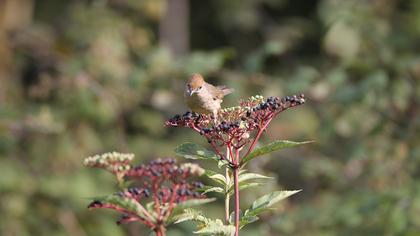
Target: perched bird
<point x="202" y="97"/>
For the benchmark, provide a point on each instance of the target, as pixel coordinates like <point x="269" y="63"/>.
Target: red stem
<point x="171" y="201"/>
<point x="160" y="230"/>
<point x="155" y="198"/>
<point x="236" y="185"/>
<point x="232" y="158"/>
<point x="254" y="142"/>
<point x="235" y="160"/>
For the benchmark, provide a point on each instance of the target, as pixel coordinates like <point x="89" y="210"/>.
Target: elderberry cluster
<point x="234" y="125"/>
<point x="165" y="169"/>
<point x="135" y="193"/>
<point x="162" y="180"/>
<point x="190" y="119"/>
<point x="272" y="106"/>
<point x="163" y="177"/>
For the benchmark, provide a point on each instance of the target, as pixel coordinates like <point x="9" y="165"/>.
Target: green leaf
<point x="206" y="226"/>
<point x="194" y="151"/>
<point x="271" y="147"/>
<point x="247" y="220"/>
<point x="232" y="216"/>
<point x="244" y="220"/>
<point x="219" y="178"/>
<point x="268" y="200"/>
<point x="209" y="189"/>
<point x="216" y="227"/>
<point x="127" y="203"/>
<point x="243" y="186"/>
<point x="222" y="163"/>
<point x="187" y="204"/>
<point x="264" y="203"/>
<point x="249" y="176"/>
<point x="243" y="177"/>
<point x="194" y="202"/>
<point x="190" y="214"/>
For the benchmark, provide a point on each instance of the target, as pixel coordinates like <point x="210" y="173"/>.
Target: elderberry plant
<point x="154" y="194"/>
<point x="233" y="136"/>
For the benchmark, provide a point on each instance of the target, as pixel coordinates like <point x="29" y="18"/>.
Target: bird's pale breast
<point x="203" y="103"/>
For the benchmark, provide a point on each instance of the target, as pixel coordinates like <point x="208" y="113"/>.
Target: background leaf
<point x="194" y="151"/>
<point x="271" y="147"/>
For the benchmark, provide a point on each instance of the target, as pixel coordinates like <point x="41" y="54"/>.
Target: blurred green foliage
<point x="88" y="76"/>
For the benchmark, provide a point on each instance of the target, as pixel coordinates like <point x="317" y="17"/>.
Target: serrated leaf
<point x="265" y="202"/>
<point x="191" y="214"/>
<point x="150" y="206"/>
<point x="246" y="177"/>
<point x="271" y="147"/>
<point x="187" y="204"/>
<point x="206" y="226"/>
<point x="195" y="151"/>
<point x="243" y="186"/>
<point x="216" y="227"/>
<point x="262" y="204"/>
<point x="249" y="176"/>
<point x="222" y="163"/>
<point x="219" y="178"/>
<point x="213" y="189"/>
<point x="247" y="220"/>
<point x="194" y="202"/>
<point x="232" y="216"/>
<point x="128" y="204"/>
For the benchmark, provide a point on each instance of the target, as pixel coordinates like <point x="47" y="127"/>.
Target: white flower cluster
<point x="108" y="158"/>
<point x="192" y="168"/>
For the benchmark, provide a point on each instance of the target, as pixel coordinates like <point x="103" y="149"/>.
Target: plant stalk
<point x="160" y="230"/>
<point x="227" y="196"/>
<point x="236" y="185"/>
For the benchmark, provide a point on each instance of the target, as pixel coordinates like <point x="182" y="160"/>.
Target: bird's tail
<point x="226" y="90"/>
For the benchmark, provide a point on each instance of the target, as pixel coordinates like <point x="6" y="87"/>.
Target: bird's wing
<point x="225" y="90"/>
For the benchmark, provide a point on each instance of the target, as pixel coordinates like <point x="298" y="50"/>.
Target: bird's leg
<point x="215" y="120"/>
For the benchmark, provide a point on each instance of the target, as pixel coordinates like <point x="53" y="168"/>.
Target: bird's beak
<point x="190" y="92"/>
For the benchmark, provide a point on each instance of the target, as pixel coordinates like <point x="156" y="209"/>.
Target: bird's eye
<point x="200" y="87"/>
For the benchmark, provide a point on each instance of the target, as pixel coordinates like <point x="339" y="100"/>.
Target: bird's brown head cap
<point x="196" y="81"/>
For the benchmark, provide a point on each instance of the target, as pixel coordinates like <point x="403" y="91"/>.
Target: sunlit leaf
<point x="222" y="163"/>
<point x="194" y="202"/>
<point x="216" y="227"/>
<point x="264" y="203"/>
<point x="244" y="177"/>
<point x="187" y="204"/>
<point x="269" y="200"/>
<point x="210" y="189"/>
<point x="206" y="226"/>
<point x="251" y="176"/>
<point x="219" y="178"/>
<point x="190" y="214"/>
<point x="128" y="204"/>
<point x="243" y="186"/>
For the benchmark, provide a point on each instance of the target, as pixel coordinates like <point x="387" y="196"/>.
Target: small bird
<point x="202" y="97"/>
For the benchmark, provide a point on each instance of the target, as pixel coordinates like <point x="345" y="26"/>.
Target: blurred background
<point x="83" y="77"/>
